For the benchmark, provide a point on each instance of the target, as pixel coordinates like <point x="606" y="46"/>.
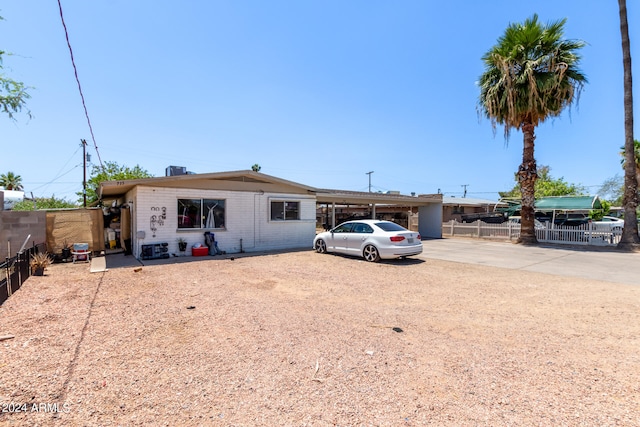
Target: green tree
<point x="11" y="181"/>
<point x="111" y="171"/>
<point x="13" y="94"/>
<point x="530" y="75"/>
<point x="546" y="186"/>
<point x="630" y="236"/>
<point x="597" y="215"/>
<point x="256" y="168"/>
<point x="612" y="190"/>
<point x="43" y="203"/>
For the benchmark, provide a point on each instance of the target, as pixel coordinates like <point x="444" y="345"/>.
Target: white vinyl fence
<point x="586" y="234"/>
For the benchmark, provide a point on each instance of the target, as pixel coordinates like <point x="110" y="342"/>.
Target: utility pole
<point x="465" y="189"/>
<point x="369" y="173"/>
<point x="84" y="178"/>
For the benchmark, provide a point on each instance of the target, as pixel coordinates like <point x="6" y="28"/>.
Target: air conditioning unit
<point x="176" y="170"/>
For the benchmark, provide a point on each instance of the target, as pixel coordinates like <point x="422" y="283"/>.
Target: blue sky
<point x="316" y="92"/>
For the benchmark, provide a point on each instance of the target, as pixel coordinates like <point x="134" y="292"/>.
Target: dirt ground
<point x="303" y="339"/>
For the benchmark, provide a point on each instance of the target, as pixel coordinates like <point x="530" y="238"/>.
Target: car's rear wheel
<point x="321" y="246"/>
<point x="370" y="253"/>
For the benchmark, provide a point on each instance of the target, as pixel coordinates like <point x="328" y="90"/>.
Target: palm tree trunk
<point x="630" y="231"/>
<point x="527" y="176"/>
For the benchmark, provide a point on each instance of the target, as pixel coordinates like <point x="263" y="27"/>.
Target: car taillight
<point x="397" y="238"/>
<point x="419" y="237"/>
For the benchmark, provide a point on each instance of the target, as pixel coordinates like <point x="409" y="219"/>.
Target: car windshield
<point x="390" y="226"/>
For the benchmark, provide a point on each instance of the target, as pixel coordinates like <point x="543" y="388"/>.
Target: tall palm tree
<point x="630" y="199"/>
<point x="11" y="181"/>
<point x="531" y="74"/>
<point x="636" y="154"/>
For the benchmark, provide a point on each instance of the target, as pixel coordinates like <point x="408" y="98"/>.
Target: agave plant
<point x="39" y="262"/>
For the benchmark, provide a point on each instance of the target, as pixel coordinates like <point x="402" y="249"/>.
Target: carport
<point x="564" y="204"/>
<point x="429" y="206"/>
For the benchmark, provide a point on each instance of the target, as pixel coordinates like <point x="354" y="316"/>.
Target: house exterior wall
<point x="154" y="214"/>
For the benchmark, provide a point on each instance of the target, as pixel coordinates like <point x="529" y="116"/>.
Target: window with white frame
<point x="285" y="210"/>
<point x="201" y="213"/>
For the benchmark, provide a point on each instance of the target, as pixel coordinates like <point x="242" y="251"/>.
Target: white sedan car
<point x="371" y="239"/>
<point x="609" y="223"/>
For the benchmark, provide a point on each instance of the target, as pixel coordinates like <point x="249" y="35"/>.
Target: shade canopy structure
<point x="568" y="203"/>
<point x="561" y="203"/>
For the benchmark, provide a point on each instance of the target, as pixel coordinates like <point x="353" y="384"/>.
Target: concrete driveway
<point x="589" y="263"/>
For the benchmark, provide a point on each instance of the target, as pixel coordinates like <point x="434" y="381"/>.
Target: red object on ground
<point x="203" y="251"/>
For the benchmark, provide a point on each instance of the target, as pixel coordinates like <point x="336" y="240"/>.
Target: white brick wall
<point x="246" y="218"/>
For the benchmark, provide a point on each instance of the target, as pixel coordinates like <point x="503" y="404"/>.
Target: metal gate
<point x="15" y="271"/>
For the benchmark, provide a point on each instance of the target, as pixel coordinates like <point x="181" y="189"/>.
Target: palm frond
<point x="531" y="74"/>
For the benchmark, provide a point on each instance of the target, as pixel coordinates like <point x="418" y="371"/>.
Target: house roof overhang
<point x="248" y="180"/>
<point x="244" y="180"/>
<point x="470" y="201"/>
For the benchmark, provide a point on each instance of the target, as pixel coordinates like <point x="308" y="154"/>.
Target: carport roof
<point x="346" y="197"/>
<point x="568" y="203"/>
<point x="564" y="203"/>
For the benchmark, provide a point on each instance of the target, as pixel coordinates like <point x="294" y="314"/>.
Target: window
<point x="201" y="213"/>
<point x="362" y="228"/>
<point x="343" y="228"/>
<point x="390" y="226"/>
<point x="282" y="210"/>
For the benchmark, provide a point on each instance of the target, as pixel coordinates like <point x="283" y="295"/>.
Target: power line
<point x="60" y="175"/>
<point x="75" y="71"/>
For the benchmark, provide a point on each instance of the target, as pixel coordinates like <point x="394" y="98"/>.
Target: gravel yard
<point x="303" y="339"/>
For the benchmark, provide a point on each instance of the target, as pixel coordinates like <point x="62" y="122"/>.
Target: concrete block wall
<point x="155" y="212"/>
<point x="15" y="226"/>
<point x="287" y="234"/>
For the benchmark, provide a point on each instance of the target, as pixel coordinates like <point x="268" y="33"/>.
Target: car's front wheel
<point x="370" y="253"/>
<point x="321" y="246"/>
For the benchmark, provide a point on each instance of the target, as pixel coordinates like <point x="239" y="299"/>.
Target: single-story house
<point x="246" y="211"/>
